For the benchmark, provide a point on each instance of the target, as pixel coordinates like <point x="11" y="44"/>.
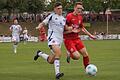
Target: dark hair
<point x="57" y="4"/>
<point x="78" y="3"/>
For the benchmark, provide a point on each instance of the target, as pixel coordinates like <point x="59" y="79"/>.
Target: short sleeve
<point x="46" y="20"/>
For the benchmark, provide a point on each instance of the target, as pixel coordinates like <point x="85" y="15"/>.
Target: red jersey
<point x="76" y="21"/>
<point x="42" y="34"/>
<point x="42" y="30"/>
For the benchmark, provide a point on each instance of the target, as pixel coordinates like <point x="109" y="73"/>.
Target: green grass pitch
<point x="21" y="66"/>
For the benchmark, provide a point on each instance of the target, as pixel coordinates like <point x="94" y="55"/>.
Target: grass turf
<point x="104" y="54"/>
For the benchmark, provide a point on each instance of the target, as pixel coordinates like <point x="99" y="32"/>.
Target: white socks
<point x="15" y="48"/>
<point x="56" y="61"/>
<point x="43" y="55"/>
<point x="57" y="66"/>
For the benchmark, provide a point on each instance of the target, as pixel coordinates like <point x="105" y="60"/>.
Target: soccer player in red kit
<point x="74" y="24"/>
<point x="42" y="34"/>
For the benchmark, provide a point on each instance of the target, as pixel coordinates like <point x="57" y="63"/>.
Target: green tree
<point x="22" y="5"/>
<point x="35" y="6"/>
<point x="2" y="4"/>
<point x="96" y="5"/>
<point x="10" y="6"/>
<point x="64" y="4"/>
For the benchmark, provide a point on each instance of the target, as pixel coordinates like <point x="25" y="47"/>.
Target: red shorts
<point x="73" y="45"/>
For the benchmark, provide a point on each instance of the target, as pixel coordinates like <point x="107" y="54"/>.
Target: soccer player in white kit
<point x="15" y="29"/>
<point x="56" y="23"/>
<point x="25" y="35"/>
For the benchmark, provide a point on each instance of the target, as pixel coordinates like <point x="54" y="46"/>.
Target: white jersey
<point x="16" y="29"/>
<point x="56" y="25"/>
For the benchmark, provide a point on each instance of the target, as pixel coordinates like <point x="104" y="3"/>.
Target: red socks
<point x="86" y="61"/>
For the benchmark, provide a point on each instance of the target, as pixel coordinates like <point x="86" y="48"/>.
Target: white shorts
<point x="15" y="38"/>
<point x="54" y="41"/>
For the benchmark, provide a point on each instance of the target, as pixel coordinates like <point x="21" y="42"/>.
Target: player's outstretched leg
<point x="41" y="54"/>
<point x="37" y="55"/>
<point x="59" y="75"/>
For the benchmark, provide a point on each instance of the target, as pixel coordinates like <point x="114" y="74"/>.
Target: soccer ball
<point x="91" y="70"/>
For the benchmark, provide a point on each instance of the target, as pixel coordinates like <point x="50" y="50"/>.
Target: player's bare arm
<point x="67" y="29"/>
<point x="89" y="34"/>
<point x="76" y="30"/>
<point x="40" y="25"/>
<point x="10" y="29"/>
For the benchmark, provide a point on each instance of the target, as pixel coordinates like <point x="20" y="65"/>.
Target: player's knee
<point x="50" y="61"/>
<point x="76" y="57"/>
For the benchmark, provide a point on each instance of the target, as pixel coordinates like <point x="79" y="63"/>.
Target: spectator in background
<point x="25" y="35"/>
<point x="42" y="34"/>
